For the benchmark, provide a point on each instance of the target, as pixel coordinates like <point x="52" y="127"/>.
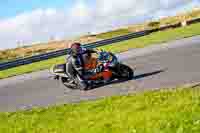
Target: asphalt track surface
<point x="159" y="66"/>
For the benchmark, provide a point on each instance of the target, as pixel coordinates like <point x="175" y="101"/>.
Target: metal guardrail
<point x="193" y="21"/>
<point x="37" y="58"/>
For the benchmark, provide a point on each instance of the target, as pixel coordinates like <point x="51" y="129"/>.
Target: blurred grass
<point x="153" y="39"/>
<point x="166" y="111"/>
<point x="31" y="67"/>
<point x="112" y="34"/>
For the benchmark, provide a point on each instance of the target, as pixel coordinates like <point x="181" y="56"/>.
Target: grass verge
<point x="112" y="34"/>
<point x="152" y="39"/>
<point x="155" y="38"/>
<point x="31" y="67"/>
<point x="165" y="111"/>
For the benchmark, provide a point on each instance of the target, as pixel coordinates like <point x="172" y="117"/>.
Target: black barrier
<point x="197" y="20"/>
<point x="41" y="57"/>
<point x="37" y="58"/>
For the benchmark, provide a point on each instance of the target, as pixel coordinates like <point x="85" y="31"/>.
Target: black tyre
<point x="125" y="72"/>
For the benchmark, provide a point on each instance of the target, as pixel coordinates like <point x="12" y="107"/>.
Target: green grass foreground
<point x="141" y="42"/>
<point x="166" y="111"/>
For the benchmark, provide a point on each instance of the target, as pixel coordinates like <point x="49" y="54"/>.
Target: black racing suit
<point x="75" y="64"/>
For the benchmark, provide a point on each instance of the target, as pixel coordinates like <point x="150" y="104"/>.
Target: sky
<point x="24" y="22"/>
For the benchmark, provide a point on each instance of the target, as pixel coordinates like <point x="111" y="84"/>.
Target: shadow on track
<point x="141" y="76"/>
<point x="147" y="74"/>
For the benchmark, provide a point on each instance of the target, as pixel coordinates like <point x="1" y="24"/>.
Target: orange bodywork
<point x="92" y="64"/>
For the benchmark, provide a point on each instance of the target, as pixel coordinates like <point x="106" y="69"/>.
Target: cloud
<point x="41" y="24"/>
